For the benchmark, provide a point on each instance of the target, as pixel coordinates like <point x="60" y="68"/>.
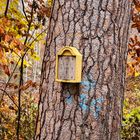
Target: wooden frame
<point x="68" y="65"/>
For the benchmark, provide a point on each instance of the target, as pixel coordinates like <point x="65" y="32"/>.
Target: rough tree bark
<point x="92" y="109"/>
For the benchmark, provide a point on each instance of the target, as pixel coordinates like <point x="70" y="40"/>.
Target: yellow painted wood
<point x="68" y="65"/>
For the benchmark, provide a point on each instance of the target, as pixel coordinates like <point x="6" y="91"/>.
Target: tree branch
<point x="6" y="9"/>
<point x="23" y="7"/>
<point x="9" y="97"/>
<point x="21" y="74"/>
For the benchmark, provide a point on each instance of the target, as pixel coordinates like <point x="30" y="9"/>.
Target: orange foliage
<point x="133" y="64"/>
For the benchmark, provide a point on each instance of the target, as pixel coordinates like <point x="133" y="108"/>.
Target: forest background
<point x="23" y="29"/>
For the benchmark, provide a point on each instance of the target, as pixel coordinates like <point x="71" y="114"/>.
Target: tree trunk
<point x="92" y="109"/>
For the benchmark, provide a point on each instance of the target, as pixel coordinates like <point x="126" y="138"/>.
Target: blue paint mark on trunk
<point x="69" y="99"/>
<point x="95" y="104"/>
<point x="87" y="85"/>
<point x="94" y="107"/>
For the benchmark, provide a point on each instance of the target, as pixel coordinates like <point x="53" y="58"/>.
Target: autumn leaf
<point x="7" y="38"/>
<point x="12" y="62"/>
<point x="138" y="59"/>
<point x="6" y="70"/>
<point x="137" y="74"/>
<point x="137" y="5"/>
<point x="1" y="53"/>
<point x="34" y="84"/>
<point x="15" y="76"/>
<point x="26" y="85"/>
<point x="134" y="25"/>
<point x="1" y="31"/>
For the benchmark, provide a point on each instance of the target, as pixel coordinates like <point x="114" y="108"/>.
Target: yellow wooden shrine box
<point x="68" y="65"/>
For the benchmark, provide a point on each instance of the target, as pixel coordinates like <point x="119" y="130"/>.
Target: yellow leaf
<point x="26" y="63"/>
<point x="35" y="57"/>
<point x="137" y="74"/>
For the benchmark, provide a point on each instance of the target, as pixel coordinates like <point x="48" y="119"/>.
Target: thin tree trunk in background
<point x="26" y="70"/>
<point x="90" y="110"/>
<point x="6" y="9"/>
